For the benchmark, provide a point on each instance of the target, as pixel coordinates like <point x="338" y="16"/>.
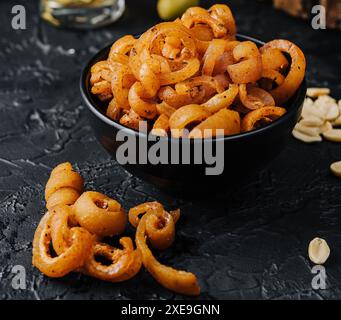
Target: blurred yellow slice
<point x="171" y="9"/>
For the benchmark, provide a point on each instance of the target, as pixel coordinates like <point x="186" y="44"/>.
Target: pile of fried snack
<point x="70" y="235"/>
<point x="190" y="77"/>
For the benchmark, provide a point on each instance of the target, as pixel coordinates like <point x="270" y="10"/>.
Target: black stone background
<point x="251" y="243"/>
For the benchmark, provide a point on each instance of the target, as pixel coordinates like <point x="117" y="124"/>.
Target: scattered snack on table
<point x="64" y="186"/>
<point x="319" y="117"/>
<point x="158" y="226"/>
<point x="318" y="251"/>
<point x="193" y="74"/>
<point x="99" y="214"/>
<point x="70" y="235"/>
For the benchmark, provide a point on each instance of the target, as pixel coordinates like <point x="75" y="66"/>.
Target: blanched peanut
<point x="305" y="138"/>
<point x="333" y="135"/>
<point x="309" y="109"/>
<point x="318" y="251"/>
<point x="336" y="168"/>
<point x="326" y="127"/>
<point x="310" y="131"/>
<point x="312" y="121"/>
<point x="316" y="92"/>
<point x="337" y="122"/>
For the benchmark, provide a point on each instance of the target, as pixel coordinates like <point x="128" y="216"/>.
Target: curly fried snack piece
<point x="274" y="59"/>
<point x="100" y="214"/>
<point x="274" y="76"/>
<point x="223" y="80"/>
<point x="132" y="120"/>
<point x="222" y="13"/>
<point x="65" y="195"/>
<point x="64" y="186"/>
<point x="119" y="90"/>
<point x="202" y="32"/>
<point x="102" y="89"/>
<point x="178" y="281"/>
<point x="121" y="48"/>
<point x="136" y="212"/>
<point x="255" y="117"/>
<point x="177" y="100"/>
<point x="197" y="15"/>
<point x="62" y="222"/>
<point x="214" y="51"/>
<point x="225" y="60"/>
<point x="164" y="108"/>
<point x="124" y="263"/>
<point x="161" y="41"/>
<point x="296" y="73"/>
<point x="224" y="119"/>
<point x="114" y="110"/>
<point x="249" y="63"/>
<point x="221" y="100"/>
<point x="149" y="80"/>
<point x="203" y="82"/>
<point x="254" y="98"/>
<point x="190" y="68"/>
<point x="100" y="71"/>
<point x="186" y="116"/>
<point x="60" y="229"/>
<point x="161" y="227"/>
<point x="161" y="126"/>
<point x="217" y="55"/>
<point x="143" y="107"/>
<point x="72" y="258"/>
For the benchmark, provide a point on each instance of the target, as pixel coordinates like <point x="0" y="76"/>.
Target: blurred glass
<point x="85" y="14"/>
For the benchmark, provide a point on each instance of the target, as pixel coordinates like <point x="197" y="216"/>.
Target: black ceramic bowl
<point x="244" y="154"/>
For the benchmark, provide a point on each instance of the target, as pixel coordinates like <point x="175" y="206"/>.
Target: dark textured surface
<point x="248" y="244"/>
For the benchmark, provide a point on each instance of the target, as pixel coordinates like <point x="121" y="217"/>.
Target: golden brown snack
<point x="142" y="107"/>
<point x="186" y="116"/>
<point x="123" y="263"/>
<point x="221" y="100"/>
<point x="64" y="186"/>
<point x="151" y="226"/>
<point x="274" y="59"/>
<point x="254" y="98"/>
<point x="65" y="195"/>
<point x="161" y="126"/>
<point x="72" y="258"/>
<point x="132" y="120"/>
<point x="226" y="120"/>
<point x="100" y="214"/>
<point x="120" y="49"/>
<point x="222" y="13"/>
<point x="60" y="228"/>
<point x="176" y="100"/>
<point x="197" y="15"/>
<point x="114" y="111"/>
<point x="267" y="113"/>
<point x="193" y="61"/>
<point x="296" y="73"/>
<point x="249" y="63"/>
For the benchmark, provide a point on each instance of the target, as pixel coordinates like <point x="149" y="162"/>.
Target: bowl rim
<point x="87" y="97"/>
